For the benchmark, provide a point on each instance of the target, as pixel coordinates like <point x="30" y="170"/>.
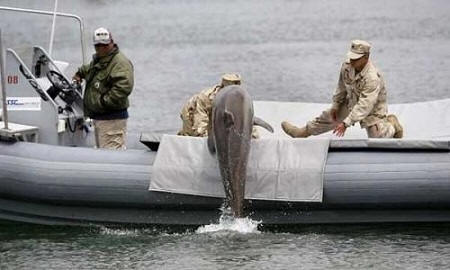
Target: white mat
<point x="278" y="169"/>
<point x="420" y="120"/>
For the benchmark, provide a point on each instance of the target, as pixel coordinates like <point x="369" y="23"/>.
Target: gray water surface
<point x="286" y="51"/>
<point x="301" y="247"/>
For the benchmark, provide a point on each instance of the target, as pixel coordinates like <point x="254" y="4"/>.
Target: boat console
<point x="43" y="97"/>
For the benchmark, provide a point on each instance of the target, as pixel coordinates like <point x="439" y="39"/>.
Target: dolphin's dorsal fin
<point x="259" y="122"/>
<point x="228" y="119"/>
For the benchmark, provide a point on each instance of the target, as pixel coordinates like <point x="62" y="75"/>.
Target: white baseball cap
<point x="102" y="36"/>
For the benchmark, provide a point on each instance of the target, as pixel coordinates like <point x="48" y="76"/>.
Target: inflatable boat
<point x="47" y="184"/>
<point x="363" y="180"/>
<point x="51" y="174"/>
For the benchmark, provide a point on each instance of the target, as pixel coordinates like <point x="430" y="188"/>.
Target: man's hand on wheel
<point x="76" y="78"/>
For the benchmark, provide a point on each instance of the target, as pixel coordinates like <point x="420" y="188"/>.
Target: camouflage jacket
<point x="364" y="94"/>
<point x="196" y="112"/>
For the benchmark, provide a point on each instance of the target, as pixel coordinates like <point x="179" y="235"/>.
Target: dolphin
<point x="229" y="136"/>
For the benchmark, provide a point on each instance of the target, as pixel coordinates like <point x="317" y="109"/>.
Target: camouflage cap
<point x="358" y="49"/>
<point x="231" y="78"/>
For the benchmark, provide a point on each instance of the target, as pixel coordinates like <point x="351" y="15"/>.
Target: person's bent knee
<point x="381" y="130"/>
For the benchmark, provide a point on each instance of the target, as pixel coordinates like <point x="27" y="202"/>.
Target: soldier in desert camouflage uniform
<point x="359" y="97"/>
<point x="197" y="110"/>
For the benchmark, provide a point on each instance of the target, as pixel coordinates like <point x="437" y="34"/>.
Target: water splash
<point x="119" y="231"/>
<point x="146" y="231"/>
<point x="228" y="223"/>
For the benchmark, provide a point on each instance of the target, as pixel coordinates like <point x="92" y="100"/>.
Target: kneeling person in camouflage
<point x="196" y="112"/>
<point x="359" y="97"/>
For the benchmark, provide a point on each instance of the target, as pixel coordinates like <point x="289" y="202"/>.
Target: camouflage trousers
<point x="325" y="123"/>
<point x="111" y="134"/>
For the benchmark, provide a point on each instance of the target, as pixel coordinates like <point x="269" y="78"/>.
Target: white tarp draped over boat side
<point x="278" y="169"/>
<point x="420" y="120"/>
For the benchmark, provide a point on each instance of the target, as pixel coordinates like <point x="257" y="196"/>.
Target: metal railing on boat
<point x="49" y="13"/>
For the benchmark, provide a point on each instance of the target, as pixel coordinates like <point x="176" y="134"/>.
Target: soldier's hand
<point x="340" y="130"/>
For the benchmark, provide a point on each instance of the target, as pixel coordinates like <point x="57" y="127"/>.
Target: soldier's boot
<point x="398" y="127"/>
<point x="295" y="132"/>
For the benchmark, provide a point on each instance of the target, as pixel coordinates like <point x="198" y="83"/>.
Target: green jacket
<point x="109" y="81"/>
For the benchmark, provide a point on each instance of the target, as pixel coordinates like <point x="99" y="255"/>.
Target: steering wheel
<point x="58" y="81"/>
<point x="61" y="87"/>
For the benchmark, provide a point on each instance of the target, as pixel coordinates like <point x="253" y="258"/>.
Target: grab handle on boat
<point x="3" y="84"/>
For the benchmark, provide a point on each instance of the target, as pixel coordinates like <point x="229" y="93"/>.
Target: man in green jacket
<point x="109" y="81"/>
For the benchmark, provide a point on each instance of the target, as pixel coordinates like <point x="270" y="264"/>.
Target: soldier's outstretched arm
<point x="367" y="99"/>
<point x="340" y="93"/>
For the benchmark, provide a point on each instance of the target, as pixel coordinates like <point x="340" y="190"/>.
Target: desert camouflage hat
<point x="231" y="78"/>
<point x="358" y="49"/>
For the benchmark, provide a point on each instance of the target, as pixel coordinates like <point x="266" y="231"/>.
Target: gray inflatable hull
<point x="55" y="185"/>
